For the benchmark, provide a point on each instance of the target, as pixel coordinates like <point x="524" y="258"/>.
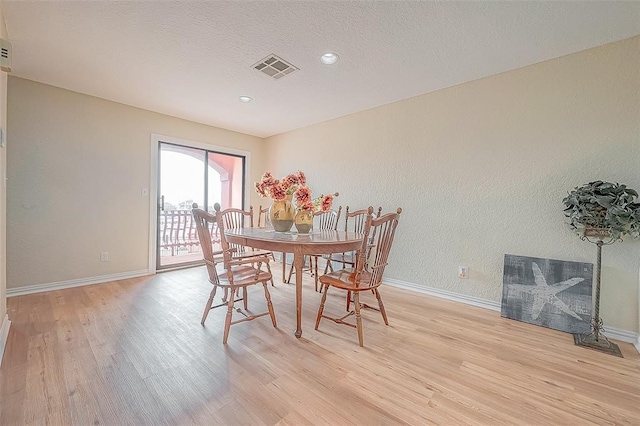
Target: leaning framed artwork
<point x="547" y="292"/>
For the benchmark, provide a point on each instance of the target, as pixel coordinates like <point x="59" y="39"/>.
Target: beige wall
<point x="480" y="170"/>
<point x="3" y="199"/>
<point x="77" y="166"/>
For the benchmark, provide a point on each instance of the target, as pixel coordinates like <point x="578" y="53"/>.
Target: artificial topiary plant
<point x="604" y="205"/>
<point x="602" y="213"/>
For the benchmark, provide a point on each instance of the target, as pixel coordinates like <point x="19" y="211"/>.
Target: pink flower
<point x="291" y="179"/>
<point x="326" y="203"/>
<point x="277" y="192"/>
<point x="302" y="179"/>
<point x="303" y="195"/>
<point x="264" y="188"/>
<point x="308" y="206"/>
<point x="268" y="179"/>
<point x="260" y="189"/>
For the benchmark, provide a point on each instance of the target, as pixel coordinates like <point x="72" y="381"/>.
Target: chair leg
<point x="321" y="308"/>
<point x="284" y="266"/>
<point x="267" y="295"/>
<point x="290" y="273"/>
<point x="315" y="271"/>
<point x="245" y="299"/>
<point x="356" y="302"/>
<point x="328" y="266"/>
<point x="348" y="300"/>
<point x="381" y="306"/>
<point x="209" y="303"/>
<point x="227" y="322"/>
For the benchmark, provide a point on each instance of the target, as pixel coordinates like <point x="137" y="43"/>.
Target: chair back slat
<point x="263" y="217"/>
<point x="227" y="248"/>
<point x="355" y="221"/>
<point x="378" y="239"/>
<point x="204" y="223"/>
<point x="237" y="219"/>
<point x="327" y="221"/>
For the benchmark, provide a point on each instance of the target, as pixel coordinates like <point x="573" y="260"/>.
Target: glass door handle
<point x="162" y="202"/>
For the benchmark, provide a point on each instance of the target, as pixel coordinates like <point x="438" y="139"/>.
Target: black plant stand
<point x="596" y="339"/>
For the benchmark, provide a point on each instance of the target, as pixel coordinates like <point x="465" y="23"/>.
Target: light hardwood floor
<point x="134" y="352"/>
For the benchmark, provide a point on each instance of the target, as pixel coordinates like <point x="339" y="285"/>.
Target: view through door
<point x="190" y="175"/>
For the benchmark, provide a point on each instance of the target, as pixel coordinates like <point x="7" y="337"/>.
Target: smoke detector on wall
<point x="274" y="67"/>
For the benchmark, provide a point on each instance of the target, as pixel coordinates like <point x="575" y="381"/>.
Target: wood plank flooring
<point x="133" y="352"/>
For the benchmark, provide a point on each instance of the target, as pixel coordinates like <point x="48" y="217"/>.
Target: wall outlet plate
<point x="463" y="272"/>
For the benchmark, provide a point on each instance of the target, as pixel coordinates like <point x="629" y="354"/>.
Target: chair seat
<point x="243" y="276"/>
<point x="345" y="279"/>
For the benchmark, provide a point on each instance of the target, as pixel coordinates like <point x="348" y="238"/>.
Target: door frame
<point x="154" y="201"/>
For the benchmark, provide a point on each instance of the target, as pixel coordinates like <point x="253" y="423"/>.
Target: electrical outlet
<point x="463" y="272"/>
<point x="104" y="256"/>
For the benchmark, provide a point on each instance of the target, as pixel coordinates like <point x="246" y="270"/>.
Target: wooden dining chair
<point x="231" y="274"/>
<point x="264" y="222"/>
<point x="358" y="279"/>
<point x="323" y="221"/>
<point x="354" y="221"/>
<point x="236" y="219"/>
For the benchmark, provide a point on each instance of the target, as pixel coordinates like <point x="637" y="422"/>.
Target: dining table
<point x="314" y="242"/>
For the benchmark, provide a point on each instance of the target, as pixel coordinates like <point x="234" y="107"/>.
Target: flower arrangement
<point x="279" y="190"/>
<point x="294" y="184"/>
<point x="305" y="202"/>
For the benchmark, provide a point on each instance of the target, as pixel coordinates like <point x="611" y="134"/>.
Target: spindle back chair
<point x="379" y="234"/>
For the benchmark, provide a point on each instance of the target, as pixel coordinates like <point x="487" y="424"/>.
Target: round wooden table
<point x="321" y="242"/>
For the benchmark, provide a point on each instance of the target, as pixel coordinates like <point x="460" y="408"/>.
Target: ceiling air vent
<point x="274" y="66"/>
<point x="5" y="55"/>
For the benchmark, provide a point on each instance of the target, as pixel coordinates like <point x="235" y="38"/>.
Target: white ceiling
<point x="193" y="59"/>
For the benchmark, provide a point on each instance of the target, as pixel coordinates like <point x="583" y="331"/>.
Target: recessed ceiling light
<point x="329" y="58"/>
<point x="245" y="99"/>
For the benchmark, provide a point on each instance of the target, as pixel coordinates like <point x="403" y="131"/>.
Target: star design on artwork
<point x="544" y="293"/>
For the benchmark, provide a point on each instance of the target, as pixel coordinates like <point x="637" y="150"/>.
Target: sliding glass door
<point x="189" y="175"/>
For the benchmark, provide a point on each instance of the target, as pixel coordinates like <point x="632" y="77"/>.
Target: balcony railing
<point x="179" y="239"/>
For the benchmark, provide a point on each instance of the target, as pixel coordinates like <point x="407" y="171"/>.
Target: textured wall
<point x="77" y="165"/>
<point x="480" y="170"/>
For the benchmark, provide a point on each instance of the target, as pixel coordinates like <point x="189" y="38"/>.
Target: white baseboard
<point x="611" y="332"/>
<point x="620" y="334"/>
<point x="456" y="297"/>
<point x="39" y="288"/>
<point x="4" y="334"/>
